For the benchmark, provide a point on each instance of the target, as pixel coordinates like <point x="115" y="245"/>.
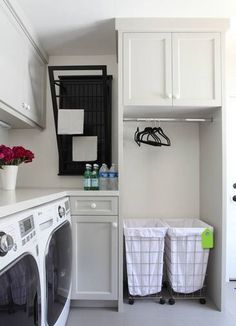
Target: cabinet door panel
<point x="11" y="58"/>
<point x="95" y="258"/>
<point x="196" y="69"/>
<point x="35" y="86"/>
<point x="147" y="69"/>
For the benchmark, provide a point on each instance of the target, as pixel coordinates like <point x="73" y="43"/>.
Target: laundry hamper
<point x="186" y="259"/>
<point x="144" y="244"/>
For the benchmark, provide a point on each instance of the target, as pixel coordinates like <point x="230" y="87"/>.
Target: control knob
<point x="61" y="211"/>
<point x="6" y="243"/>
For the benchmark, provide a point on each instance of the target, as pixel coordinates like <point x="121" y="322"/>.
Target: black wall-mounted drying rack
<point x="92" y="93"/>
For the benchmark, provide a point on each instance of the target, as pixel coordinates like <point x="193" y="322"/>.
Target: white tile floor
<point x="148" y="313"/>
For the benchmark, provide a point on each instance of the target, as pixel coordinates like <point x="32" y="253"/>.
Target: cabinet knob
<point x="24" y="105"/>
<point x="93" y="205"/>
<point x="234" y="198"/>
<point x="115" y="225"/>
<point x="176" y="96"/>
<point x="28" y="107"/>
<point x="169" y="95"/>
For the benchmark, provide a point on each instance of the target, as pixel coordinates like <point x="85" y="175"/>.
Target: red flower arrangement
<point x="15" y="155"/>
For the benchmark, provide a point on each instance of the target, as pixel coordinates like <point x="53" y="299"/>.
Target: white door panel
<point x="147" y="69"/>
<point x="12" y="51"/>
<point x="196" y="69"/>
<point x="34" y="85"/>
<point x="95" y="267"/>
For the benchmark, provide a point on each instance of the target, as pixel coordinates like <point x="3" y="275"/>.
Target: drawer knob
<point x="114" y="224"/>
<point x="93" y="205"/>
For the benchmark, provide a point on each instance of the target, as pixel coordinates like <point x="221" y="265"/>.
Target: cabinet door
<point x="95" y="258"/>
<point x="196" y="69"/>
<point x="147" y="69"/>
<point x="35" y="80"/>
<point x="12" y="53"/>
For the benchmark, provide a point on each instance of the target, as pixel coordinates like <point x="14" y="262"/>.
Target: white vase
<point x="8" y="176"/>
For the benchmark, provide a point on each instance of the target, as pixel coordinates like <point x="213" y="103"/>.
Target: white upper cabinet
<point x="147" y="69"/>
<point x="196" y="69"/>
<point x="22" y="78"/>
<point x="172" y="69"/>
<point x="11" y="58"/>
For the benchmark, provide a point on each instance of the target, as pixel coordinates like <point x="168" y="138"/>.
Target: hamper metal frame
<point x="159" y="268"/>
<point x="195" y="294"/>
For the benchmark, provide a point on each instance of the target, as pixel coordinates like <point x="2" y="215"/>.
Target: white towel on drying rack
<point x="70" y="122"/>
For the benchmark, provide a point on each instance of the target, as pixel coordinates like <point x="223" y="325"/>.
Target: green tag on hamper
<point x="207" y="239"/>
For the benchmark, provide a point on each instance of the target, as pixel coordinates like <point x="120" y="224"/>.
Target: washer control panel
<point x="27" y="229"/>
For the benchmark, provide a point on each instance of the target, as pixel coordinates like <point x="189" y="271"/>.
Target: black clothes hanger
<point x="136" y="136"/>
<point x="149" y="136"/>
<point x="160" y="131"/>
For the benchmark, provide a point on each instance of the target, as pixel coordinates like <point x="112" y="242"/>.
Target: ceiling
<point x="81" y="27"/>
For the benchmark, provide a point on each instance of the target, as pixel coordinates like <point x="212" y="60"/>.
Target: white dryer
<point x="53" y="224"/>
<point x="20" y="290"/>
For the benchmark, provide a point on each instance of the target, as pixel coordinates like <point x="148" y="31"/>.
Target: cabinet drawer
<point x="94" y="205"/>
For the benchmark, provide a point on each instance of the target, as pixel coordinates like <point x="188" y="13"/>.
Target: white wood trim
<point x="121" y="167"/>
<point x="154" y="24"/>
<point x="224" y="178"/>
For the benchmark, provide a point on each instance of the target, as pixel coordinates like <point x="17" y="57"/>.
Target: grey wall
<point x="162" y="182"/>
<point x="4" y="136"/>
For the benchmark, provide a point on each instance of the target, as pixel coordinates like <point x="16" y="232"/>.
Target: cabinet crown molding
<point x="17" y="14"/>
<point x="155" y="24"/>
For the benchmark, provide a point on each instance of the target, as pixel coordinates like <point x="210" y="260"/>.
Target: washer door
<point x="20" y="300"/>
<point x="58" y="271"/>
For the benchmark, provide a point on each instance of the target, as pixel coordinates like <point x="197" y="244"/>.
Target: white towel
<point x="70" y="122"/>
<point x="84" y="148"/>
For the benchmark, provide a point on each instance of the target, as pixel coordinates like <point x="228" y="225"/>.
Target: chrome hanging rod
<point x="168" y="119"/>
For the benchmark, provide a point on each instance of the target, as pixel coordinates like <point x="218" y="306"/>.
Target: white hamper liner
<point x="186" y="260"/>
<point x="144" y="243"/>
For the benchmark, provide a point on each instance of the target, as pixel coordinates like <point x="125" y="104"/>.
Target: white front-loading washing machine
<point x="20" y="290"/>
<point x="53" y="224"/>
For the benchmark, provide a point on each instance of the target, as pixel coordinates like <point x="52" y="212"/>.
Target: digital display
<point x="27" y="225"/>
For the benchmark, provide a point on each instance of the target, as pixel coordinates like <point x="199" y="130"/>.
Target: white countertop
<point x="12" y="202"/>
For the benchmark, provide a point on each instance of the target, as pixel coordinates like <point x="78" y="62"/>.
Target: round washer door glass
<point x="58" y="271"/>
<point x="20" y="301"/>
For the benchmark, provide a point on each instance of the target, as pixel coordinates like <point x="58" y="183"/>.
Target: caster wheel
<point x="131" y="301"/>
<point x="11" y="311"/>
<point x="171" y="301"/>
<point x="165" y="285"/>
<point x="162" y="301"/>
<point x="202" y="301"/>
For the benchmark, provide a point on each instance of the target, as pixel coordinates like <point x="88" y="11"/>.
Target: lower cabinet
<point x="95" y="258"/>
